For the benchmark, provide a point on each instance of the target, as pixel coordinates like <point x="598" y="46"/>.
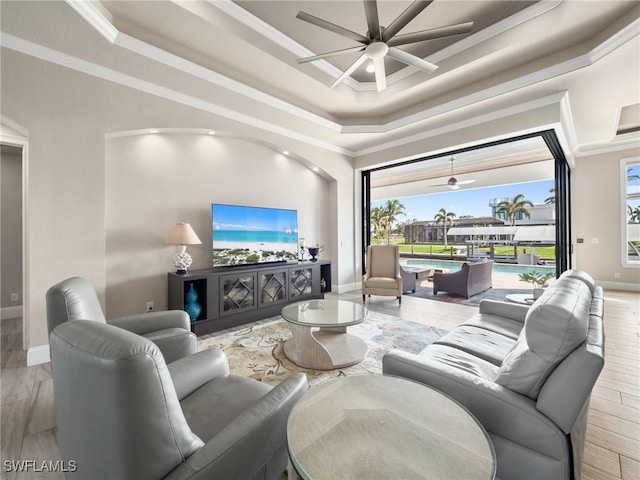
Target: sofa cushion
<point x="555" y="325"/>
<point x="485" y="344"/>
<point x="495" y="323"/>
<point x="461" y="360"/>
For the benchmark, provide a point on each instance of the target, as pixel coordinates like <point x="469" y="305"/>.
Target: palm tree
<point x="445" y="218"/>
<point x="392" y="210"/>
<point x="511" y="208"/>
<point x="552" y="198"/>
<point x="377" y="222"/>
<point x="634" y="214"/>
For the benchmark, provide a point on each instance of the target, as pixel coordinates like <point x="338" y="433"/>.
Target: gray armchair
<point x="383" y="272"/>
<point x="123" y="413"/>
<point x="76" y="299"/>
<point x="470" y="280"/>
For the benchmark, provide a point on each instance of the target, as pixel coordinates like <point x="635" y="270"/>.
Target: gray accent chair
<point x="76" y="299"/>
<point x="383" y="272"/>
<point x="526" y="373"/>
<point x="122" y="413"/>
<point x="470" y="280"/>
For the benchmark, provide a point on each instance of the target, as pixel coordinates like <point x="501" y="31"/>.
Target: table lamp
<point x="182" y="235"/>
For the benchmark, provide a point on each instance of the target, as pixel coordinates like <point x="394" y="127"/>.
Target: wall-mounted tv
<point x="245" y="235"/>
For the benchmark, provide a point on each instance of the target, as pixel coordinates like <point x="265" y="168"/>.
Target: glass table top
<point x="325" y="313"/>
<point x="382" y="427"/>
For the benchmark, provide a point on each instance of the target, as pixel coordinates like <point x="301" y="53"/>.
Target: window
<point x="630" y="183"/>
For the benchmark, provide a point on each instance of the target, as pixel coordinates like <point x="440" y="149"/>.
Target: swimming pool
<point x="497" y="267"/>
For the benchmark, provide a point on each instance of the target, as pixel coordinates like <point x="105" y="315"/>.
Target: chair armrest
<point x="191" y="372"/>
<point x="509" y="310"/>
<point x="501" y="411"/>
<point x="143" y="323"/>
<point x="250" y="441"/>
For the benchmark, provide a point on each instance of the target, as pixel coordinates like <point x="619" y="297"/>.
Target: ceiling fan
<point x="381" y="41"/>
<point x="453" y="183"/>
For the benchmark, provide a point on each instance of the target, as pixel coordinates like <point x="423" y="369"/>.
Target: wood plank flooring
<point x="612" y="450"/>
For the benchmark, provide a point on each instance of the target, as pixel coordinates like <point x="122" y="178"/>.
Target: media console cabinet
<point x="232" y="296"/>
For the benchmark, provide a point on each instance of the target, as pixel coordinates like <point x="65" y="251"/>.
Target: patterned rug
<point x="491" y="294"/>
<point x="256" y="349"/>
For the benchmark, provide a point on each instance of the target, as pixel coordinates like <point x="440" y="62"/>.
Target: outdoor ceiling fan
<point x="453" y="183"/>
<point x="381" y="41"/>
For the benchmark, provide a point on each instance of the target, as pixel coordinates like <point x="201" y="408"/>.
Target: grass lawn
<point x="543" y="251"/>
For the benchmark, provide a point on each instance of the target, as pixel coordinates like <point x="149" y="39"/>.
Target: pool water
<point x="454" y="266"/>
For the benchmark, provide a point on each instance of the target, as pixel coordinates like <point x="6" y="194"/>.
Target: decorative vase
<point x="314" y="251"/>
<point x="191" y="305"/>
<point x="537" y="292"/>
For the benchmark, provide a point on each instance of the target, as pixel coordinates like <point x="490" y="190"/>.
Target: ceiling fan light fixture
<point x="376" y="50"/>
<point x="371" y="68"/>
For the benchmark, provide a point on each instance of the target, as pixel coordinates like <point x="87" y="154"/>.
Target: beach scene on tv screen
<point x="243" y="234"/>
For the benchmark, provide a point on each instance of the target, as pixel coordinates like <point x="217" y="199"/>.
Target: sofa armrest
<point x="191" y="372"/>
<point x="250" y="441"/>
<point x="509" y="310"/>
<point x="143" y="323"/>
<point x="501" y="411"/>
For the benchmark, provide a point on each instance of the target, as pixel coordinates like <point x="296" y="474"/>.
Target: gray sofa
<point x="123" y="413"/>
<point x="471" y="279"/>
<point x="526" y="373"/>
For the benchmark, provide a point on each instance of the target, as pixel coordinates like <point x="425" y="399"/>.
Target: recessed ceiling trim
<point x="53" y="56"/>
<point x="276" y="36"/>
<point x="480" y="119"/>
<point x="159" y="55"/>
<point x="234" y="10"/>
<point x="92" y="14"/>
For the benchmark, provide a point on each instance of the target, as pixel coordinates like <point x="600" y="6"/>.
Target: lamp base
<point x="181" y="272"/>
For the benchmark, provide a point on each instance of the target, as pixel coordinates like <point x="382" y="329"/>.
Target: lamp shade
<point x="183" y="234"/>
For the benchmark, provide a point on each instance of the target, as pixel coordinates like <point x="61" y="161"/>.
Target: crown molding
<point x="53" y="56"/>
<point x="95" y="17"/>
<point x="628" y="141"/>
<point x="555" y="98"/>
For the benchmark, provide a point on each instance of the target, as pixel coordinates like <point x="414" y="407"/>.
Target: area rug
<point x="256" y="350"/>
<point x="491" y="294"/>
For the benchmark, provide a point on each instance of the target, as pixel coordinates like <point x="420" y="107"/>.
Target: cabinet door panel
<point x="300" y="282"/>
<point x="272" y="287"/>
<point x="237" y="293"/>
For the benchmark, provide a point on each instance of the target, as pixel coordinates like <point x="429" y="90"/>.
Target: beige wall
<point x="597" y="219"/>
<point x="156" y="180"/>
<point x="11" y="227"/>
<point x="68" y="117"/>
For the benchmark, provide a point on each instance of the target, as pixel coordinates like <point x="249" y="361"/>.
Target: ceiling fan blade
<point x="373" y="22"/>
<point x="412" y="60"/>
<point x="331" y="54"/>
<point x="454" y="187"/>
<point x="465" y="182"/>
<point x="405" y="17"/>
<point x="359" y="61"/>
<point x="381" y="75"/>
<point x="332" y="27"/>
<point x="432" y="34"/>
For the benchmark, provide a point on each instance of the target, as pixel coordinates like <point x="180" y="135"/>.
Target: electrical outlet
<point x="15" y="297"/>
<point x="616" y="275"/>
<point x="149" y="306"/>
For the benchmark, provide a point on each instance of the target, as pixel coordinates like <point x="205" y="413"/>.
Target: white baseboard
<point x="629" y="287"/>
<point x="344" y="288"/>
<point x="11" y="312"/>
<point x="38" y="355"/>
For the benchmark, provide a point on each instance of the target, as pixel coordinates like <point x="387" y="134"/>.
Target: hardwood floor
<point x="613" y="436"/>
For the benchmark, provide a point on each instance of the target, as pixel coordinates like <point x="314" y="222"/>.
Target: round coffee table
<point x="383" y="427"/>
<point x="320" y="340"/>
<point x="520" y="298"/>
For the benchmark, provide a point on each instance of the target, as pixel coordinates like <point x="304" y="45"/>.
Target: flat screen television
<point x="247" y="235"/>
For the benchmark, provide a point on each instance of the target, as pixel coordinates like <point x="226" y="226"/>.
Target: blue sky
<point x="233" y="217"/>
<point x="468" y="201"/>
